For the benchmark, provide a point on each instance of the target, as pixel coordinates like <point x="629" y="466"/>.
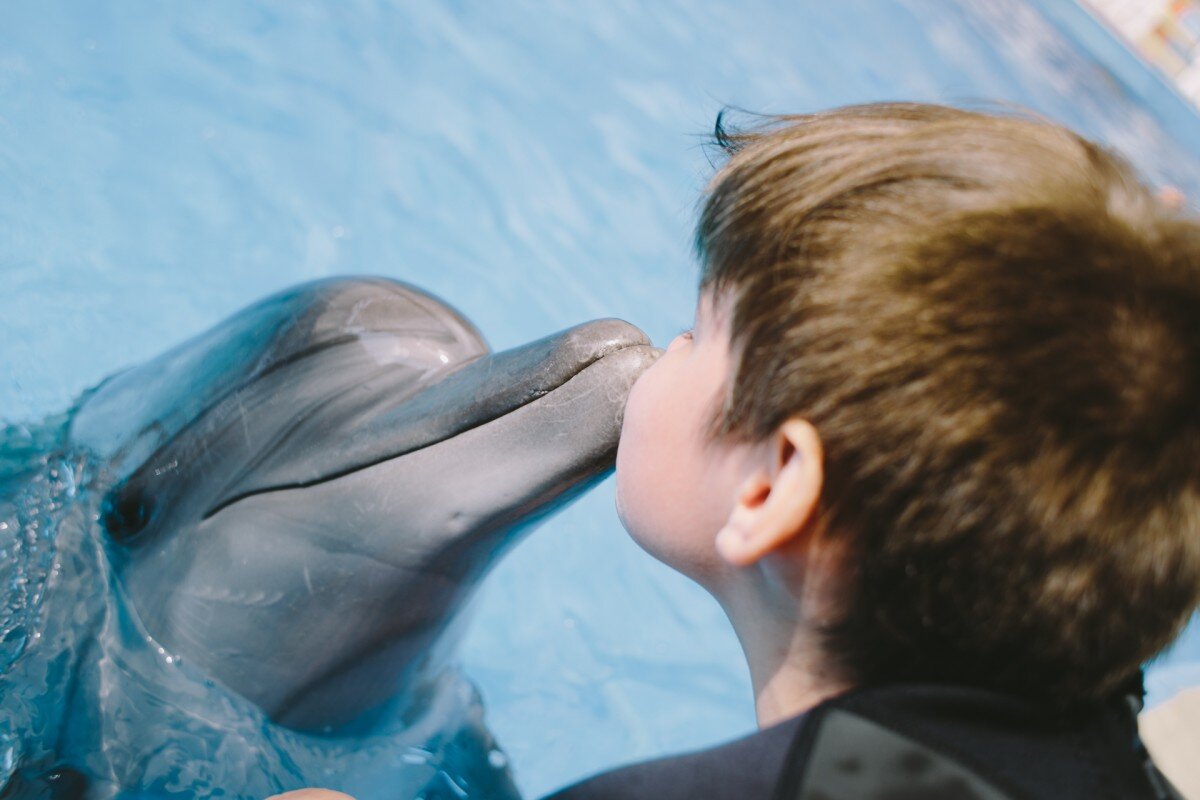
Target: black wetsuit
<point x="910" y="742"/>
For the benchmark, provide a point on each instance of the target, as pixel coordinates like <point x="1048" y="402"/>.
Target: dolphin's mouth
<point x="372" y="426"/>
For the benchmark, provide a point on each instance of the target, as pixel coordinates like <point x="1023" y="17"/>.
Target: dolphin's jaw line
<point x="534" y="395"/>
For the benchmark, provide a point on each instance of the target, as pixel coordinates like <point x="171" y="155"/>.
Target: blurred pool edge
<point x="1149" y="87"/>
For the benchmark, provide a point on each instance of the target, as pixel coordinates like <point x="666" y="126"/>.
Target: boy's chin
<point x="636" y="532"/>
<point x="618" y="502"/>
<point x="631" y="525"/>
<point x="666" y="551"/>
<point x="662" y="545"/>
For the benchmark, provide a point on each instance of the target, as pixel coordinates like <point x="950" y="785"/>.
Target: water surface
<point x="537" y="164"/>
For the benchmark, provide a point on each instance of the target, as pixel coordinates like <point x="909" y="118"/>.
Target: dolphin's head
<point x="307" y="532"/>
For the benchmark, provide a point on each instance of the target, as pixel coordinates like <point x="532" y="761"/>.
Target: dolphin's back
<point x="133" y="413"/>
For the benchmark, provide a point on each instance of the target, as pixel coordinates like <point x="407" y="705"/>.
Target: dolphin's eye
<point x="65" y="783"/>
<point x="59" y="783"/>
<point x="125" y="514"/>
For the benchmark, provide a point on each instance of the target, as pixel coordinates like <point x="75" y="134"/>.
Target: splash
<point x="91" y="706"/>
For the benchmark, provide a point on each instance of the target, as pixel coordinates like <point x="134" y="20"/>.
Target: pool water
<point x="535" y="165"/>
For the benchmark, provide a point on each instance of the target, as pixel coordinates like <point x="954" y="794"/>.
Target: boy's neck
<point x="787" y="692"/>
<point x="787" y="671"/>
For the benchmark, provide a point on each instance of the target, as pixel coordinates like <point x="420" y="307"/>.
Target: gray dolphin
<point x="298" y="502"/>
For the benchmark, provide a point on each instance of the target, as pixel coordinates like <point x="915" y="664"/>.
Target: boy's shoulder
<point x="742" y="769"/>
<point x="924" y="741"/>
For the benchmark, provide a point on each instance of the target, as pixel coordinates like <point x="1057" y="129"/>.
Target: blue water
<point x="537" y="165"/>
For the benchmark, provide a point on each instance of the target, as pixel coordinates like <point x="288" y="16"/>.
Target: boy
<point x="932" y="445"/>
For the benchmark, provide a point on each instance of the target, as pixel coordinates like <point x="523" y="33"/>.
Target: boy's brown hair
<point x="995" y="328"/>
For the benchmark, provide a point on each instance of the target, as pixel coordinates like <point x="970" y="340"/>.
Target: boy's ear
<point x="774" y="505"/>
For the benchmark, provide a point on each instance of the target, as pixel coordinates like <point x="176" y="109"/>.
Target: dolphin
<point x="298" y="503"/>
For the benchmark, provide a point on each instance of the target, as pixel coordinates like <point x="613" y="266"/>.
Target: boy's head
<point x="958" y="354"/>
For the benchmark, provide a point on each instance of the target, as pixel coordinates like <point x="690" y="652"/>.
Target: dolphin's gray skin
<point x="298" y="502"/>
<point x="307" y="532"/>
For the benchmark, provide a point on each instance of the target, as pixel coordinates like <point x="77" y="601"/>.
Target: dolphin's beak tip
<point x="617" y="332"/>
<point x="614" y="327"/>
